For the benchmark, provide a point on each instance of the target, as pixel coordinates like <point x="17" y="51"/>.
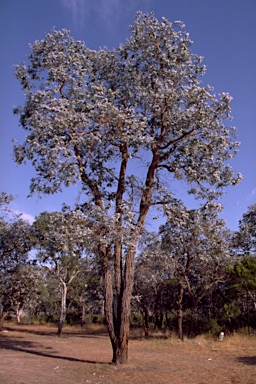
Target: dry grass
<point x="33" y="354"/>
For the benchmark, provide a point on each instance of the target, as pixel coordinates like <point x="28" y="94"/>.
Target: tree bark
<point x="119" y="330"/>
<point x="180" y="311"/>
<point x="193" y="322"/>
<point x="83" y="312"/>
<point x="2" y="317"/>
<point x="145" y="319"/>
<point x="18" y="314"/>
<point x="63" y="309"/>
<point x="119" y="323"/>
<point x="248" y="313"/>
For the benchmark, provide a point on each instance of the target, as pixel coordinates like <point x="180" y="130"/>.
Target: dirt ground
<point x="35" y="355"/>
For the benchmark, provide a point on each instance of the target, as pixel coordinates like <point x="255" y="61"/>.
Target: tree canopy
<point x="246" y="236"/>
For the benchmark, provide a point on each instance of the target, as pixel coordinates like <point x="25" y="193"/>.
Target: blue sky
<point x="223" y="31"/>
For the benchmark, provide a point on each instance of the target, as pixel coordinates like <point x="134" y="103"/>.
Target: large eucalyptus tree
<point x="123" y="124"/>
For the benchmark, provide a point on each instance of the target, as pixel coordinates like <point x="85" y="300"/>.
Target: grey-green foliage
<point x="15" y="236"/>
<point x="86" y="111"/>
<point x="197" y="245"/>
<point x="193" y="247"/>
<point x="62" y="239"/>
<point x="245" y="239"/>
<point x="18" y="279"/>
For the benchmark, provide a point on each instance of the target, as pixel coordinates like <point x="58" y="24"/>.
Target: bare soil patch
<point x="35" y="355"/>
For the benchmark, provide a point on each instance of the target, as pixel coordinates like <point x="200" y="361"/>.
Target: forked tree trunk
<point x="118" y="321"/>
<point x="117" y="301"/>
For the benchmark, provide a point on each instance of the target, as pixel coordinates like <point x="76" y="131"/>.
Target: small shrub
<point x="136" y="319"/>
<point x="91" y="318"/>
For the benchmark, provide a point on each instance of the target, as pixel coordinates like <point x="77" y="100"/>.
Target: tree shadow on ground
<point x="53" y="332"/>
<point x="44" y="332"/>
<point x="248" y="360"/>
<point x="37" y="349"/>
<point x="136" y="333"/>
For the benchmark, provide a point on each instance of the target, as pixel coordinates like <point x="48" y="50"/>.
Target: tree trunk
<point x="83" y="312"/>
<point x="248" y="313"/>
<point x="180" y="311"/>
<point x="117" y="301"/>
<point x="63" y="309"/>
<point x="145" y="319"/>
<point x="118" y="323"/>
<point x="193" y="323"/>
<point x="2" y="317"/>
<point x="18" y="314"/>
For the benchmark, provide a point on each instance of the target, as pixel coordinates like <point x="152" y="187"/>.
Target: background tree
<point x="154" y="284"/>
<point x="244" y="272"/>
<point x="62" y="238"/>
<point x="94" y="118"/>
<point x="48" y="305"/>
<point x="245" y="239"/>
<point x="16" y="289"/>
<point x="148" y="281"/>
<point x="85" y="297"/>
<point x="197" y="244"/>
<point x="21" y="288"/>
